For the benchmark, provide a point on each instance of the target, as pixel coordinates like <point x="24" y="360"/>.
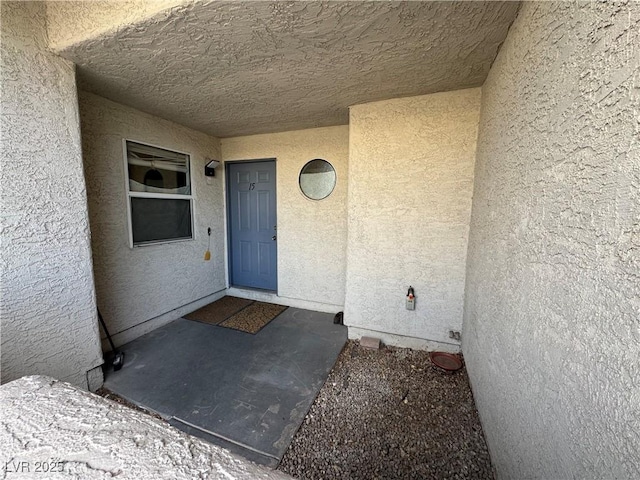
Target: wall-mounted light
<point x="209" y="168"/>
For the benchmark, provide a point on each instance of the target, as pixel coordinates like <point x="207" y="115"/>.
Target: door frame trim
<point x="227" y="165"/>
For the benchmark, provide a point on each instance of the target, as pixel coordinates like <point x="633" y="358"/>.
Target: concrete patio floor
<point x="247" y="393"/>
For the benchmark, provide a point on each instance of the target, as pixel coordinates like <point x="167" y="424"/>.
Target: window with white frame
<point x="159" y="194"/>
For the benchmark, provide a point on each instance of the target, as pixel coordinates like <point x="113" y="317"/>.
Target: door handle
<point x="273" y="238"/>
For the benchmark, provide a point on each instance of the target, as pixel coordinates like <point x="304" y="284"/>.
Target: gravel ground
<point x="390" y="414"/>
<point x="109" y="395"/>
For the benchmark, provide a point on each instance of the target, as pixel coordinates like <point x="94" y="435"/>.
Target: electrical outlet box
<point x="411" y="299"/>
<point x="411" y="303"/>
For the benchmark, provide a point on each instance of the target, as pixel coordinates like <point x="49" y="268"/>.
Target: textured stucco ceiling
<point x="236" y="68"/>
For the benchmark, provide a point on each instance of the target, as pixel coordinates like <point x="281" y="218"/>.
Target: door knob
<point x="273" y="238"/>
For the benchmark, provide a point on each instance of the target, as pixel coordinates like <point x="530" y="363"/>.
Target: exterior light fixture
<point x="209" y="168"/>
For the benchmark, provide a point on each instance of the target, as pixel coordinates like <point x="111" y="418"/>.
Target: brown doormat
<point x="254" y="317"/>
<point x="218" y="311"/>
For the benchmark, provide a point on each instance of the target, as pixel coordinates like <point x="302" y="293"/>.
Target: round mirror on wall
<point x="317" y="179"/>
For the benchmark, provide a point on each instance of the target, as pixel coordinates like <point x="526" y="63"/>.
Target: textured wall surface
<point x="71" y="22"/>
<point x="552" y="314"/>
<point x="410" y="182"/>
<point x="88" y="437"/>
<point x="240" y="68"/>
<point x="135" y="285"/>
<point x="48" y="309"/>
<point x="312" y="234"/>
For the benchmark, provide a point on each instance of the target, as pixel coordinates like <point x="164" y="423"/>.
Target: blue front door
<point x="252" y="221"/>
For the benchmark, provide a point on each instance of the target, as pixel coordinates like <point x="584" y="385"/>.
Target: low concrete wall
<point x="75" y="434"/>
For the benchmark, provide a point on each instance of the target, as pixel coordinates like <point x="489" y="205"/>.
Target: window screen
<point x="159" y="189"/>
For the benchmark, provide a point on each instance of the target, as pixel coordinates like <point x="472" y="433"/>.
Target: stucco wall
<point x="552" y="317"/>
<point x="48" y="309"/>
<point x="71" y="22"/>
<point x="311" y="234"/>
<point x="51" y="431"/>
<point x="139" y="288"/>
<point x="410" y="184"/>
